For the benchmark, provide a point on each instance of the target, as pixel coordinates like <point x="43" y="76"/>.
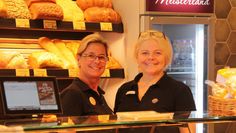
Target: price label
<point x="103" y="117"/>
<point x="106" y="73"/>
<point x="22" y="23"/>
<point x="40" y="72"/>
<point x="22" y="72"/>
<point x="49" y="24"/>
<point x="73" y="72"/>
<point x="105" y="26"/>
<point x="78" y="25"/>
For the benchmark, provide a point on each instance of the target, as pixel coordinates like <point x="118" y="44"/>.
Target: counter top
<point x="148" y="118"/>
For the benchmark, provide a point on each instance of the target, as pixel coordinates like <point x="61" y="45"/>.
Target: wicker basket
<point x="221" y="107"/>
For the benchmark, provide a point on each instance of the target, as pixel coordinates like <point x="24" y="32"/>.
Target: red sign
<point x="186" y="6"/>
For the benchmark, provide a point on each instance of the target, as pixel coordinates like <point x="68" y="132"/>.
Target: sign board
<point x="185" y="6"/>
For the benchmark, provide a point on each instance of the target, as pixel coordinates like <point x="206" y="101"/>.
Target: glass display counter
<point x="52" y="124"/>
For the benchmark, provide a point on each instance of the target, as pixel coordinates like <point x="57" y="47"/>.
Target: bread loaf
<point x="73" y="46"/>
<point x="101" y="14"/>
<point x="17" y="62"/>
<point x="17" y="9"/>
<point x="84" y="4"/>
<point x="29" y="2"/>
<point x="46" y="10"/>
<point x="44" y="60"/>
<point x="66" y="53"/>
<point x="71" y="12"/>
<point x="12" y="60"/>
<point x="3" y="10"/>
<point x="48" y="45"/>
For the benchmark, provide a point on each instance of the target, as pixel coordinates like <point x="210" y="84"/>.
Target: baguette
<point x="48" y="45"/>
<point x="73" y="46"/>
<point x="66" y="53"/>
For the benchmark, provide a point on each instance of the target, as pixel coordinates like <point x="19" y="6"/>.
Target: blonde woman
<point x="84" y="96"/>
<point x="152" y="88"/>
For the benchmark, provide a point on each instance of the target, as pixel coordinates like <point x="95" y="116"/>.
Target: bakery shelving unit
<point x="25" y="28"/>
<point x="33" y="29"/>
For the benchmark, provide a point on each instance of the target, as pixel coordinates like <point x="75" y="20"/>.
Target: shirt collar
<point x="85" y="87"/>
<point x="162" y="82"/>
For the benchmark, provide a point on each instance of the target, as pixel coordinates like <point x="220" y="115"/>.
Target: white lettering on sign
<point x="183" y="2"/>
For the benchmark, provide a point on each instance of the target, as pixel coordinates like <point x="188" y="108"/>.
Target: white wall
<point x="122" y="45"/>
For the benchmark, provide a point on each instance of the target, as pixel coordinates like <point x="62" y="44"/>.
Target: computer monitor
<point x="26" y="96"/>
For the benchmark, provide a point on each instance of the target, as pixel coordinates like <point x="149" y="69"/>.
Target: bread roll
<point x="66" y="53"/>
<point x="46" y="10"/>
<point x="12" y="60"/>
<point x="84" y="4"/>
<point x="44" y="60"/>
<point x="101" y="14"/>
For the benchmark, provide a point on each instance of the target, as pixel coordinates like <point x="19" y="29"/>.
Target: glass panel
<point x="111" y="122"/>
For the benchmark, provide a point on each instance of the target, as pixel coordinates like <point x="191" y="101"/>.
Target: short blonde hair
<point x="161" y="39"/>
<point x="92" y="38"/>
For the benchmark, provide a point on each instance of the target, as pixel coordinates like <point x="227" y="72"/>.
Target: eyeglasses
<point x="152" y="33"/>
<point x="93" y="57"/>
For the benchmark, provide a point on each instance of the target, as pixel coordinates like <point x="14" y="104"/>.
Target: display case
<point x="116" y="123"/>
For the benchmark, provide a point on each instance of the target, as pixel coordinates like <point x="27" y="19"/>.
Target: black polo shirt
<point x="166" y="95"/>
<point x="79" y="99"/>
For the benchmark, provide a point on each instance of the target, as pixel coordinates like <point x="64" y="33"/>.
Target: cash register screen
<point x="30" y="95"/>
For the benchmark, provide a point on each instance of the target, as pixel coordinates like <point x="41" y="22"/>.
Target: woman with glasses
<point x="84" y="96"/>
<point x="152" y="88"/>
